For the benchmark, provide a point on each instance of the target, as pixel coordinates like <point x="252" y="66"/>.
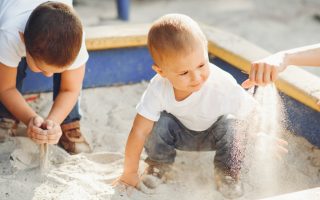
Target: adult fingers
<point x="259" y="74"/>
<point x="252" y="74"/>
<point x="274" y="73"/>
<point x="267" y="74"/>
<point x="247" y="84"/>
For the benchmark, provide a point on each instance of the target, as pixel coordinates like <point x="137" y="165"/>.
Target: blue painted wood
<point x="118" y="66"/>
<point x="123" y="8"/>
<point x="104" y="68"/>
<point x="131" y="65"/>
<point x="36" y="82"/>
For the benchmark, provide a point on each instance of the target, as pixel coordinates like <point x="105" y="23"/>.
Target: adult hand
<point x="265" y="70"/>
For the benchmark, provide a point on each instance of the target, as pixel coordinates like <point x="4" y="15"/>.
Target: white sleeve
<point x="242" y="102"/>
<point x="150" y="105"/>
<point x="82" y="57"/>
<point x="9" y="43"/>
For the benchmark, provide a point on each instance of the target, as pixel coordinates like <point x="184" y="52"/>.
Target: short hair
<point x="173" y="33"/>
<point x="53" y="34"/>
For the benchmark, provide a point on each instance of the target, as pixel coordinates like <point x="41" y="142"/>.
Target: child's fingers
<point x="54" y="131"/>
<point x="39" y="136"/>
<point x="49" y="124"/>
<point x="37" y="121"/>
<point x="143" y="188"/>
<point x="116" y="182"/>
<point x="36" y="130"/>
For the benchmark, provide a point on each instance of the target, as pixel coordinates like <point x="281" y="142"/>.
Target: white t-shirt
<point x="219" y="95"/>
<point x="14" y="15"/>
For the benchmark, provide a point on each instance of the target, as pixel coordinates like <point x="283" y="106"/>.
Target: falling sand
<point x="264" y="156"/>
<point x="107" y="118"/>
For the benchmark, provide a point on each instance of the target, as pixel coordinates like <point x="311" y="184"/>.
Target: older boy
<point x="189" y="105"/>
<point x="48" y="38"/>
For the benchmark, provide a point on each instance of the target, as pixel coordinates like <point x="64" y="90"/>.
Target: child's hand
<point x="42" y="132"/>
<point x="35" y="132"/>
<point x="53" y="131"/>
<point x="270" y="144"/>
<point x="265" y="71"/>
<point x="132" y="180"/>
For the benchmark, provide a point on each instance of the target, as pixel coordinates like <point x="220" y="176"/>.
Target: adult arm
<point x="267" y="69"/>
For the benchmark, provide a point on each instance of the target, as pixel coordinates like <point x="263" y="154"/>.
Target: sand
<point x="108" y="114"/>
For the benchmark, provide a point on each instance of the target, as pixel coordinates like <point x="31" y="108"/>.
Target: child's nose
<point x="196" y="76"/>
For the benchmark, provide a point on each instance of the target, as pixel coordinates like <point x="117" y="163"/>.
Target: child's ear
<point x="157" y="69"/>
<point x="21" y="36"/>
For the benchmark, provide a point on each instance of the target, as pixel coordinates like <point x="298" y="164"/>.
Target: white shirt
<point x="14" y="15"/>
<point x="219" y="95"/>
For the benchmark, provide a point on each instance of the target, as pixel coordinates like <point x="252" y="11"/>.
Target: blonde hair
<point x="173" y="34"/>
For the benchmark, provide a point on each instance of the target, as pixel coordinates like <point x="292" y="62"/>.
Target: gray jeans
<point x="169" y="134"/>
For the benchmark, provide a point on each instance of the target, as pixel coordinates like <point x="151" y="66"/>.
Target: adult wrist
<point x="286" y="59"/>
